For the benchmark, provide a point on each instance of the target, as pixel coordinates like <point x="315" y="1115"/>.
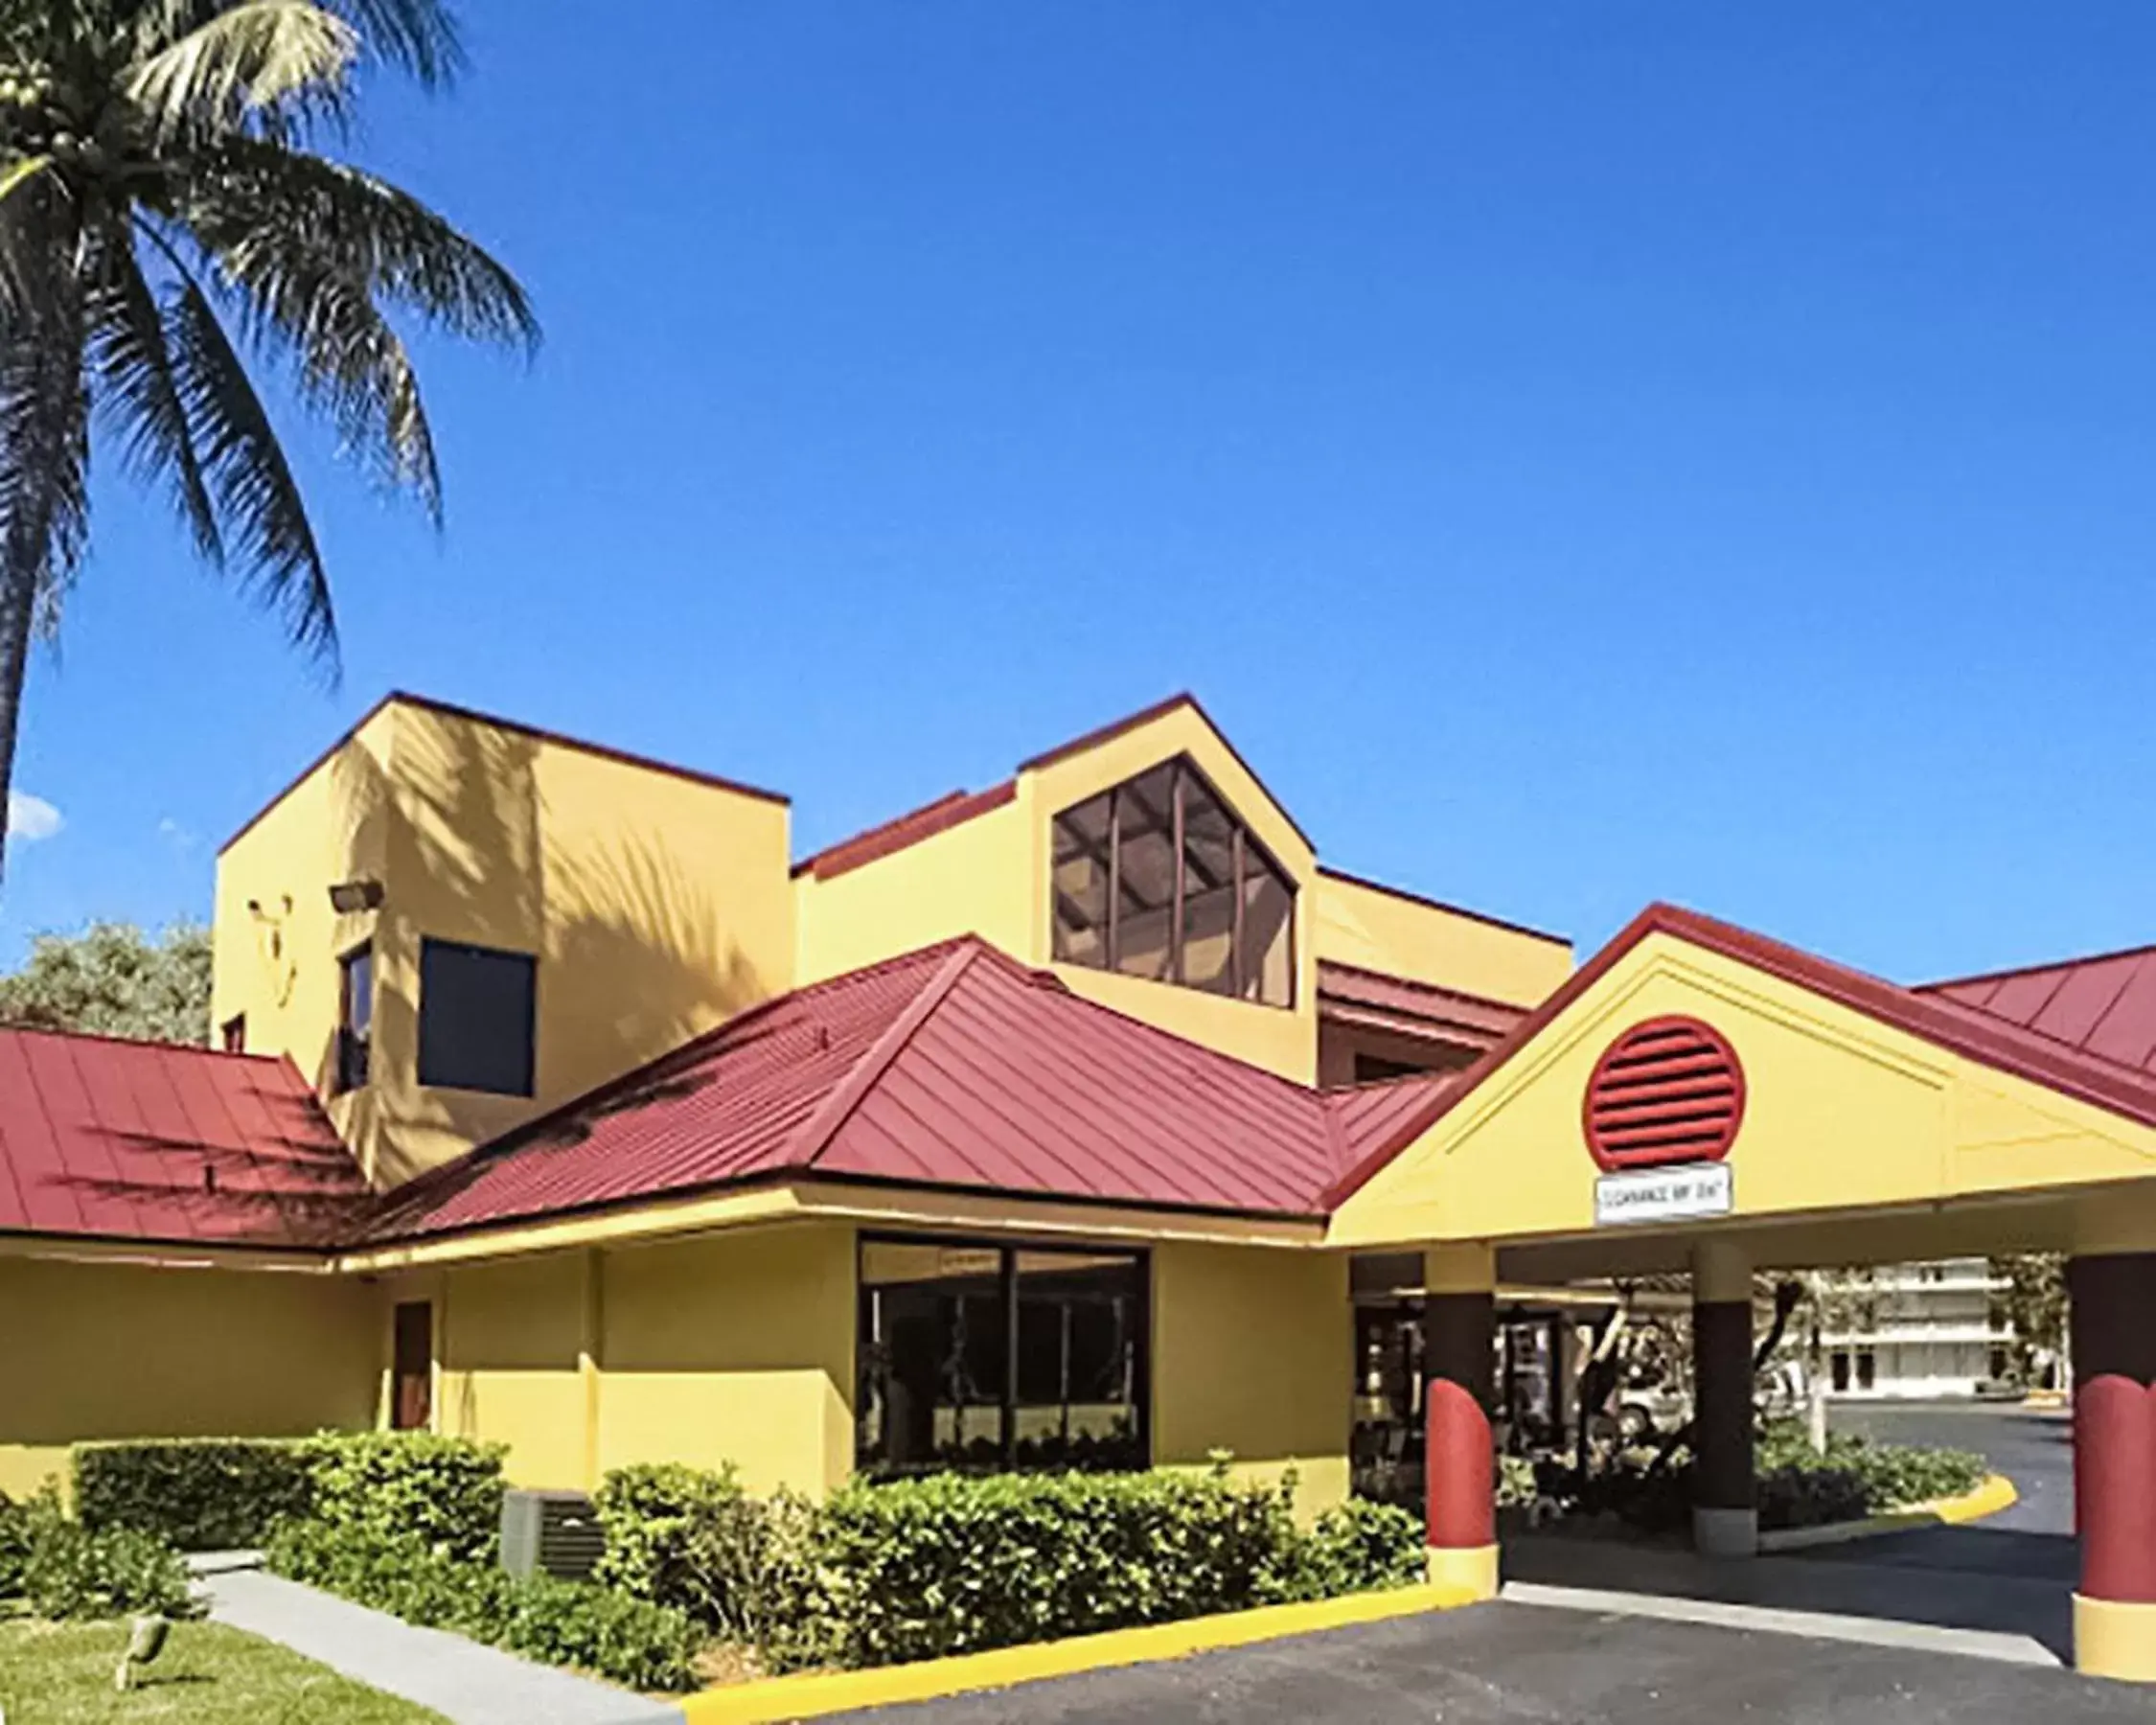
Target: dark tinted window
<point x="356" y="1017"/>
<point x="478" y="1009"/>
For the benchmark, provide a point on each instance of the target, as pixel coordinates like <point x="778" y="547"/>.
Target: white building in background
<point x="1937" y="1329"/>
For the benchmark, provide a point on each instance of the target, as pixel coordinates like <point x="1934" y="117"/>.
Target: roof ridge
<point x="841" y="1100"/>
<point x="2144" y="950"/>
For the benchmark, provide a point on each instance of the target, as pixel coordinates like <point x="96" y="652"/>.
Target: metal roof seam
<point x="847" y="1095"/>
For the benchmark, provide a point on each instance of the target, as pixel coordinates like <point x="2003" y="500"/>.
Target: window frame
<point x="411" y="1366"/>
<point x="355" y="1053"/>
<point x="1008" y="1252"/>
<point x="1250" y="860"/>
<point x="429" y="943"/>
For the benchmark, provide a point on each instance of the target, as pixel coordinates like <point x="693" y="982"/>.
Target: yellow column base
<point x="1472" y="1569"/>
<point x="2115" y="1637"/>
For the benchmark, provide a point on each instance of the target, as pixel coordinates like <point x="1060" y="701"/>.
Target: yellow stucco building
<point x="1082" y="1121"/>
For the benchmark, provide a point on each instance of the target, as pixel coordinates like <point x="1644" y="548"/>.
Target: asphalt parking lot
<point x="1508" y="1665"/>
<point x="1509" y="1661"/>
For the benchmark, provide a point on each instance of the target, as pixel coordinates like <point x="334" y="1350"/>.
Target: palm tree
<point x="163" y="211"/>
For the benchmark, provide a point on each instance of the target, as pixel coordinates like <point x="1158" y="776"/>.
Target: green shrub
<point x="625" y="1641"/>
<point x="15" y="1546"/>
<point x="1809" y="1497"/>
<point x="1887" y="1476"/>
<point x="951" y="1564"/>
<point x="380" y="1487"/>
<point x="683" y="1537"/>
<point x="1360" y="1547"/>
<point x="63" y="1570"/>
<point x="1517" y="1487"/>
<point x="202" y="1494"/>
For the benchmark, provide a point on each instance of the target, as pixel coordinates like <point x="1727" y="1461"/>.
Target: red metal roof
<point x="2103" y="1005"/>
<point x="147" y="1141"/>
<point x="1348" y="994"/>
<point x="953" y="1066"/>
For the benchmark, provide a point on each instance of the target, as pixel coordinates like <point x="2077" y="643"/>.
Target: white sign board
<point x="1664" y="1194"/>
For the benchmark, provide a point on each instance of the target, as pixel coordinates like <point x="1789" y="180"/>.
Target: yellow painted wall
<point x="508" y="1337"/>
<point x="735" y="1349"/>
<point x="278" y="967"/>
<point x="1253" y="1352"/>
<point x="94" y="1351"/>
<point x="969" y="878"/>
<point x="1843" y="1112"/>
<point x="658" y="904"/>
<point x="1424" y="942"/>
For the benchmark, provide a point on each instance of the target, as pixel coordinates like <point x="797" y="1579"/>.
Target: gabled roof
<point x="2103" y="1005"/>
<point x="148" y="1141"/>
<point x="1948" y="1023"/>
<point x="955" y="806"/>
<point x="954" y="1066"/>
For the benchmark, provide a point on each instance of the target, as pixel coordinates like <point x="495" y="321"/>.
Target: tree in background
<point x="162" y="210"/>
<point x="113" y="981"/>
<point x="2036" y="1301"/>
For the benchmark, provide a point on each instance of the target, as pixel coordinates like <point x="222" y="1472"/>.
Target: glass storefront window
<point x="990" y="1357"/>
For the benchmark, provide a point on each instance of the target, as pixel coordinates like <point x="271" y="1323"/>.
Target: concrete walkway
<point x="464" y="1683"/>
<point x="1947" y="1603"/>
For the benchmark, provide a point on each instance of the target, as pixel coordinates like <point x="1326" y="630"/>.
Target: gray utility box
<point x="556" y="1533"/>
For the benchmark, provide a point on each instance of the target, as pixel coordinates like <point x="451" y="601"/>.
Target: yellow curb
<point x="817" y="1693"/>
<point x="2044" y="1398"/>
<point x="1996" y="1492"/>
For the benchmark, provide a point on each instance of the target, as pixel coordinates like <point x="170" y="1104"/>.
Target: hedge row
<point x="217" y="1494"/>
<point x="885" y="1573"/>
<point x="625" y="1641"/>
<point x="61" y="1569"/>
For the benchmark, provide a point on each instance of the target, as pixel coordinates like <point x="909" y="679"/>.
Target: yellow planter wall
<point x="92" y="1351"/>
<point x="1254" y="1353"/>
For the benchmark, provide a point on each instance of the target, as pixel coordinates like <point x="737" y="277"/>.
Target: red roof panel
<point x="2103" y="1005"/>
<point x="953" y="1066"/>
<point x="147" y="1141"/>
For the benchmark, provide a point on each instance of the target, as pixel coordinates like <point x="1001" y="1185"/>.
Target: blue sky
<point x="1582" y="453"/>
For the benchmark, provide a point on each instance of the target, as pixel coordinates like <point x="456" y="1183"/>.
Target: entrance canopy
<point x="1695" y="1081"/>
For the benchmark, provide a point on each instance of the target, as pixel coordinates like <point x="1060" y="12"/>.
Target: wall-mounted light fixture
<point x="347" y="898"/>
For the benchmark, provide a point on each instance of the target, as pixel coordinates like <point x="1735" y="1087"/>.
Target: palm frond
<point x="20" y="172"/>
<point x="257" y="58"/>
<point x="269" y="215"/>
<point x="418" y="37"/>
<point x="139" y="395"/>
<point x="258" y="500"/>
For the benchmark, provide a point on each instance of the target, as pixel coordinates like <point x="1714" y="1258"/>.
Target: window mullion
<point x="1235" y="934"/>
<point x="1010" y="1360"/>
<point x="1176" y="781"/>
<point x="1116" y="879"/>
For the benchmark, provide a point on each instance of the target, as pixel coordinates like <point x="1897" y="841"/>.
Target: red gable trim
<point x="926" y="822"/>
<point x="1160" y="709"/>
<point x="1961" y="1030"/>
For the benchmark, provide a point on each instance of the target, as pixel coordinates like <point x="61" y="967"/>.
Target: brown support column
<point x="1459" y="1464"/>
<point x="1725" y="1503"/>
<point x="2114" y="1347"/>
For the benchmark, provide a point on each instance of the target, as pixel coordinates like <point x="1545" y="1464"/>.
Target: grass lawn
<point x="61" y="1674"/>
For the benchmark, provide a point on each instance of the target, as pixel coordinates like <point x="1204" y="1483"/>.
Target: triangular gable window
<point x="1157" y="878"/>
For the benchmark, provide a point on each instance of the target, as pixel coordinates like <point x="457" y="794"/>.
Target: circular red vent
<point x="1667" y="1091"/>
